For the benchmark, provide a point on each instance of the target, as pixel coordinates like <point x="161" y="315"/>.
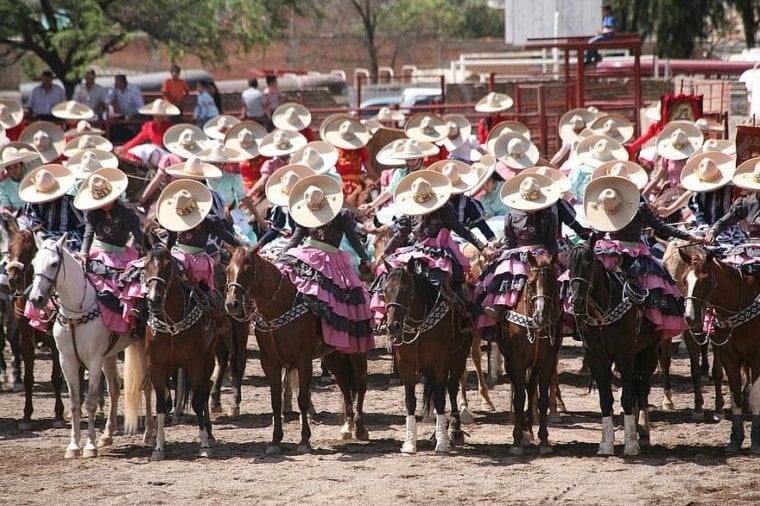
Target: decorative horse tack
<point x="430" y="320"/>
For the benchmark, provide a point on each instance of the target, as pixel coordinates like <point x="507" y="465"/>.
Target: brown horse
<point x="423" y="332"/>
<point x="530" y="348"/>
<point x="731" y="299"/>
<point x="291" y="336"/>
<point x="180" y="333"/>
<point x="610" y="321"/>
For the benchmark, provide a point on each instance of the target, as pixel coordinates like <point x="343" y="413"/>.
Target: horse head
<point x="399" y="296"/>
<point x="21" y="251"/>
<point x="582" y="265"/>
<point x="159" y="269"/>
<point x="699" y="279"/>
<point x="48" y="265"/>
<point x="541" y="289"/>
<point x="240" y="278"/>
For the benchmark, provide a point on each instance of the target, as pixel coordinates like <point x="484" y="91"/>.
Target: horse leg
<point x="273" y="373"/>
<point x="56" y="378"/>
<point x="407" y="374"/>
<point x="696" y="375"/>
<point x="290" y="377"/>
<point x="439" y="401"/>
<point x="485" y="399"/>
<point x="339" y="365"/>
<point x="531" y="412"/>
<point x="222" y="358"/>
<point x="158" y="381"/>
<point x="359" y="365"/>
<point x="705" y="367"/>
<point x="112" y="379"/>
<point x="70" y="368"/>
<point x="517" y="379"/>
<point x="201" y="386"/>
<point x="734" y="374"/>
<point x="464" y="408"/>
<point x="645" y="366"/>
<point x="717" y="372"/>
<point x="26" y="346"/>
<point x="181" y="396"/>
<point x="664" y="358"/>
<point x="13" y="336"/>
<point x="238" y="360"/>
<point x="304" y="396"/>
<point x="754" y="406"/>
<point x="556" y="404"/>
<point x="546" y="376"/>
<point x="602" y="373"/>
<point x="95" y="368"/>
<point x="628" y="400"/>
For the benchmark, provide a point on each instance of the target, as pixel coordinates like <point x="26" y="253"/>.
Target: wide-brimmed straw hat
<point x="72" y="110"/>
<point x="291" y="116"/>
<point x="708" y="172"/>
<point x="315" y="200"/>
<point x="11" y="113"/>
<point x="218" y="126"/>
<point x="747" y="175"/>
<point x="515" y="151"/>
<point x="626" y="169"/>
<point x="530" y="192"/>
<point x="245" y="137"/>
<point x="610" y="203"/>
<point x="717" y="146"/>
<point x="562" y="180"/>
<point x="708" y="126"/>
<point x="185" y="140"/>
<point x="678" y="140"/>
<point x="412" y="149"/>
<point x="87" y="141"/>
<point x="463" y="178"/>
<point x="46" y="138"/>
<point x="183" y="205"/>
<point x="426" y="127"/>
<point x="281" y="143"/>
<point x="494" y="102"/>
<point x="318" y="155"/>
<point x="19" y="152"/>
<point x="422" y="192"/>
<point x="218" y="153"/>
<point x="194" y="168"/>
<point x="613" y="126"/>
<point x="100" y="189"/>
<point x="346" y="133"/>
<point x="83" y="127"/>
<point x="46" y="184"/>
<point x="384" y="156"/>
<point x="280" y="184"/>
<point x="159" y="107"/>
<point x="458" y="132"/>
<point x="85" y="162"/>
<point x="506" y="127"/>
<point x="573" y="122"/>
<point x="484" y="168"/>
<point x="595" y="150"/>
<point x="329" y="119"/>
<point x="388" y="114"/>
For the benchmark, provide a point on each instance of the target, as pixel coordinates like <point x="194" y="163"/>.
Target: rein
<point x="189" y="318"/>
<point x="430" y="319"/>
<point x="526" y="320"/>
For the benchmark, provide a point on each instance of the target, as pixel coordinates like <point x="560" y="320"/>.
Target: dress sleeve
<point x="297" y="238"/>
<point x="696" y="210"/>
<point x="737" y="213"/>
<point x="132" y="223"/>
<point x="277" y="224"/>
<point x="663" y="229"/>
<point x="225" y="234"/>
<point x="550" y="232"/>
<point x="89" y="233"/>
<point x="449" y="217"/>
<point x="142" y="136"/>
<point x="567" y="216"/>
<point x="349" y="228"/>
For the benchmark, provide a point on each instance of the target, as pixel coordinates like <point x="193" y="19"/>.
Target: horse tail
<point x="135" y="367"/>
<point x="427" y="394"/>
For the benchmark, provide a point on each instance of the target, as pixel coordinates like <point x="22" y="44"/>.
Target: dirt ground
<point x="685" y="465"/>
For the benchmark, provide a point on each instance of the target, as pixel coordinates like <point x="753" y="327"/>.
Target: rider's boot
<point x="495" y="312"/>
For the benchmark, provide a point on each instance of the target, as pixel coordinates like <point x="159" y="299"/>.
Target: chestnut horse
<point x="731" y="300"/>
<point x="614" y="330"/>
<point x="289" y="335"/>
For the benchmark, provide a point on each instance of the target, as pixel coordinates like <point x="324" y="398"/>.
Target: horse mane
<point x="22" y="246"/>
<point x="580" y="256"/>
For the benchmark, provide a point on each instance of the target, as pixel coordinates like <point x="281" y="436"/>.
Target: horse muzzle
<point x="233" y="306"/>
<point x="394" y="328"/>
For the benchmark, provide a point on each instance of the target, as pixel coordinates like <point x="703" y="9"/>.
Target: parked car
<point x="411" y="97"/>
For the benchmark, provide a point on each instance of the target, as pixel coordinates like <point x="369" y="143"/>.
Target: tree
<point x="69" y="35"/>
<point x="748" y="10"/>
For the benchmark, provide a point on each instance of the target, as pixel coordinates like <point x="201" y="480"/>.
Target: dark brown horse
<point x="530" y="349"/>
<point x="423" y="332"/>
<point x="731" y="299"/>
<point x="289" y="336"/>
<point x="614" y="332"/>
<point x="180" y="333"/>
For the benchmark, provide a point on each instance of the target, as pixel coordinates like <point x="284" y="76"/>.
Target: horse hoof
<point x="345" y="435"/>
<point x="304" y="449"/>
<point x="527" y="439"/>
<point x="216" y="409"/>
<point x="516" y="450"/>
<point x="545" y="450"/>
<point x="443" y="450"/>
<point x="697" y="416"/>
<point x="25" y="425"/>
<point x="90" y="453"/>
<point x="555" y="418"/>
<point x="606" y="449"/>
<point x="667" y="405"/>
<point x="465" y="416"/>
<point x="644" y="441"/>
<point x="205" y="453"/>
<point x="233" y="412"/>
<point x="457" y="438"/>
<point x="149" y="440"/>
<point x="361" y="435"/>
<point x="631" y="449"/>
<point x="733" y="448"/>
<point x="72" y="453"/>
<point x="754" y="449"/>
<point x="487" y="406"/>
<point x="158" y="455"/>
<point x="719" y="416"/>
<point x="59" y="424"/>
<point x="408" y="449"/>
<point x="105" y="441"/>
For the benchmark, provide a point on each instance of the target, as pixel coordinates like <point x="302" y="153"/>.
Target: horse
<point x="8" y="330"/>
<point x="610" y="321"/>
<point x="82" y="338"/>
<point x="290" y="336"/>
<point x="531" y="347"/>
<point x="731" y="299"/>
<point x="422" y="328"/>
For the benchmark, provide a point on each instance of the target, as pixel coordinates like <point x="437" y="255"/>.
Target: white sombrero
<point x="610" y="203"/>
<point x="281" y="143"/>
<point x="505" y="127"/>
<point x="625" y="169"/>
<point x="85" y="162"/>
<point x="515" y="151"/>
<point x="291" y="116"/>
<point x="315" y="200"/>
<point x="530" y="192"/>
<point x="388" y="114"/>
<point x="383" y="156"/>
<point x="245" y="138"/>
<point x="717" y="146"/>
<point x="218" y="126"/>
<point x="747" y="175"/>
<point x="159" y="107"/>
<point x="679" y="140"/>
<point x="280" y="184"/>
<point x="46" y="138"/>
<point x="346" y="133"/>
<point x="194" y="168"/>
<point x="458" y="128"/>
<point x="19" y="152"/>
<point x="494" y="102"/>
<point x="562" y="180"/>
<point x="100" y="189"/>
<point x="595" y="150"/>
<point x="72" y="110"/>
<point x="183" y="205"/>
<point x="329" y="119"/>
<point x="613" y="126"/>
<point x="573" y="122"/>
<point x="218" y="153"/>
<point x="83" y="127"/>
<point x="318" y="155"/>
<point x="422" y="192"/>
<point x="426" y="127"/>
<point x="708" y="126"/>
<point x="484" y="168"/>
<point x="46" y="184"/>
<point x="461" y="175"/>
<point x="11" y="113"/>
<point x="412" y="149"/>
<point x="86" y="141"/>
<point x="708" y="172"/>
<point x="185" y="140"/>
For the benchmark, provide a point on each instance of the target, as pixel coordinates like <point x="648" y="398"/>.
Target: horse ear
<point x="62" y="240"/>
<point x="553" y="258"/>
<point x="255" y="249"/>
<point x="709" y="256"/>
<point x="685" y="255"/>
<point x="532" y="260"/>
<point x="388" y="266"/>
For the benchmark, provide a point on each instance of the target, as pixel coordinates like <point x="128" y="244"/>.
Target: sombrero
<point x="625" y="169"/>
<point x="494" y="102"/>
<point x="185" y="140"/>
<point x="426" y="127"/>
<point x="86" y="141"/>
<point x="291" y="116"/>
<point x="573" y="122"/>
<point x="45" y="184"/>
<point x="422" y="192"/>
<point x="329" y="119"/>
<point x="610" y="203"/>
<point x="595" y="150"/>
<point x="678" y="140"/>
<point x="346" y="133"/>
<point x="194" y="168"/>
<point x="315" y="200"/>
<point x="85" y="162"/>
<point x="183" y="205"/>
<point x="18" y="152"/>
<point x="281" y="143"/>
<point x="218" y="126"/>
<point x="72" y="110"/>
<point x="562" y="180"/>
<point x="515" y="151"/>
<point x="708" y="172"/>
<point x="245" y="137"/>
<point x="83" y="127"/>
<point x="707" y="126"/>
<point x="388" y="114"/>
<point x="484" y="168"/>
<point x="383" y="156"/>
<point x="613" y="126"/>
<point x="11" y="113"/>
<point x="412" y="149"/>
<point x="46" y="138"/>
<point x="459" y="130"/>
<point x="530" y="192"/>
<point x="100" y="189"/>
<point x="317" y="155"/>
<point x="718" y="146"/>
<point x="505" y="127"/>
<point x="747" y="175"/>
<point x="280" y="184"/>
<point x="461" y="175"/>
<point x="218" y="153"/>
<point x="159" y="107"/>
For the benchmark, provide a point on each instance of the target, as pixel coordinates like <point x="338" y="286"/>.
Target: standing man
<point x="272" y="98"/>
<point x="129" y="100"/>
<point x="44" y="97"/>
<point x="253" y="103"/>
<point x="606" y="33"/>
<point x="91" y="94"/>
<point x="175" y="89"/>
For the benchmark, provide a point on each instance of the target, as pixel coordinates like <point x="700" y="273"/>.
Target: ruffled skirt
<point x="104" y="270"/>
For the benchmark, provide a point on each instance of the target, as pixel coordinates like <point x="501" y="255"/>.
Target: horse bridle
<point x="246" y="297"/>
<point x="53" y="283"/>
<point x="549" y="297"/>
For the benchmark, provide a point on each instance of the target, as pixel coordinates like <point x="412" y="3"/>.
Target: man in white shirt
<point x="91" y="94"/>
<point x="253" y="103"/>
<point x="44" y="97"/>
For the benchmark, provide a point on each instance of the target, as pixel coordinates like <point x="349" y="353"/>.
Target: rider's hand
<point x="709" y="238"/>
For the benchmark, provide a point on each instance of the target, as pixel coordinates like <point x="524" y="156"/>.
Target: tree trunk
<point x="748" y="20"/>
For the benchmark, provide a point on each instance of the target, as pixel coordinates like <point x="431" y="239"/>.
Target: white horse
<point x="82" y="338"/>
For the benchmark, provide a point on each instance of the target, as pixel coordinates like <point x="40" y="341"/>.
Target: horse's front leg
<point x="339" y="365"/>
<point x="485" y="399"/>
<point x="70" y="366"/>
<point x="602" y="374"/>
<point x="693" y="348"/>
<point x="665" y="359"/>
<point x="359" y="366"/>
<point x="222" y="358"/>
<point x="628" y="401"/>
<point x="545" y="377"/>
<point x="304" y="396"/>
<point x="273" y="372"/>
<point x="112" y="379"/>
<point x="95" y="368"/>
<point x="408" y="376"/>
<point x="27" y="345"/>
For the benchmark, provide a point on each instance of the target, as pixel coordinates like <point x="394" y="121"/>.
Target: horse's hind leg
<point x="359" y="366"/>
<point x="646" y="363"/>
<point x="602" y="374"/>
<point x="339" y="365"/>
<point x="664" y="359"/>
<point x="304" y="395"/>
<point x="693" y="348"/>
<point x="27" y="345"/>
<point x="485" y="399"/>
<point x="112" y="379"/>
<point x="201" y="390"/>
<point x="717" y="372"/>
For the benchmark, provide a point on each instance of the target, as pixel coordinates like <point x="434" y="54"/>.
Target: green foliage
<point x="479" y="21"/>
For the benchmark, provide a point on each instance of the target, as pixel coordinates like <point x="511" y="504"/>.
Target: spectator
<point x="175" y="89"/>
<point x="606" y="33"/>
<point x="91" y="94"/>
<point x="44" y="97"/>
<point x="205" y="108"/>
<point x="253" y="103"/>
<point x="214" y="91"/>
<point x="128" y="99"/>
<point x="272" y="98"/>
